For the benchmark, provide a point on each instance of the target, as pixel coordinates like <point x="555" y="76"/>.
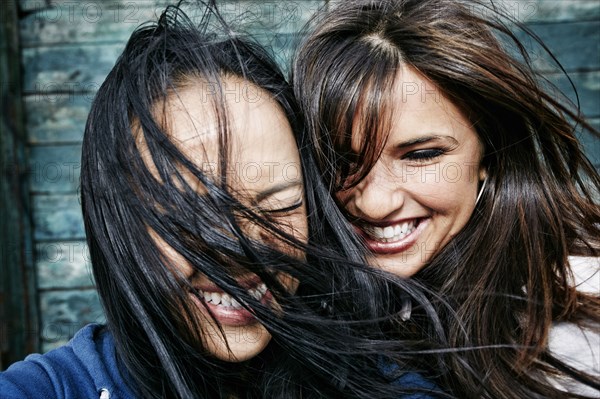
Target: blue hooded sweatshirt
<point x="86" y="368"/>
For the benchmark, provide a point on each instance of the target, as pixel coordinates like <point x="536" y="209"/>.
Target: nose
<point x="378" y="197"/>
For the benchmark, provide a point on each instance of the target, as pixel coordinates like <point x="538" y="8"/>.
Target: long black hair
<point x="327" y="338"/>
<point x="507" y="272"/>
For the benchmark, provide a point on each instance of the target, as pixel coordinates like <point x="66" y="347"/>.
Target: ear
<point x="483" y="174"/>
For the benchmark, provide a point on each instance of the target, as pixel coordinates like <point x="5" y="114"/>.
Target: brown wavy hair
<point x="507" y="273"/>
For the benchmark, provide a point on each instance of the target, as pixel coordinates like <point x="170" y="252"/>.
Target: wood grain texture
<point x="63" y="265"/>
<point x="56" y="118"/>
<point x="587" y="88"/>
<point x="553" y="10"/>
<point x="112" y="22"/>
<point x="57" y="217"/>
<point x="54" y="169"/>
<point x="576" y="45"/>
<point x="63" y="313"/>
<point x="18" y="307"/>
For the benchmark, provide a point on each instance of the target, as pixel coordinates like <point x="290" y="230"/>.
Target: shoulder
<point x="576" y="345"/>
<point x="412" y="383"/>
<point x="586" y="273"/>
<point x="81" y="369"/>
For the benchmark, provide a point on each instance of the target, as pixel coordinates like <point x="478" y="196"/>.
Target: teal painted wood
<point x="69" y="68"/>
<point x="588" y="89"/>
<point x="553" y="10"/>
<point x="18" y="307"/>
<point x="271" y="16"/>
<point x="57" y="217"/>
<point x="576" y="45"/>
<point x="54" y="168"/>
<point x="113" y="22"/>
<point x="68" y="7"/>
<point x="591" y="144"/>
<point x="64" y="312"/>
<point x="537" y="10"/>
<point x="56" y="117"/>
<point x="84" y="24"/>
<point x="61" y="72"/>
<point x="63" y="265"/>
<point x="282" y="47"/>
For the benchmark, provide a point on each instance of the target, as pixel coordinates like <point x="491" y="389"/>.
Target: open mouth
<point x="226" y="309"/>
<point x="223" y="299"/>
<point x="393" y="237"/>
<point x="390" y="233"/>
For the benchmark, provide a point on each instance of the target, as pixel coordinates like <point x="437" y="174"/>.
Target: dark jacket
<point x="86" y="368"/>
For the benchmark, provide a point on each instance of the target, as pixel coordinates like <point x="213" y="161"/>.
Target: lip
<point x="228" y="315"/>
<point x="360" y="221"/>
<point x="396" y="247"/>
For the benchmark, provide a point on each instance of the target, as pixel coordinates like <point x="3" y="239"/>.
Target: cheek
<point x="448" y="192"/>
<point x="295" y="225"/>
<point x="299" y="226"/>
<point x="173" y="257"/>
<point x="289" y="282"/>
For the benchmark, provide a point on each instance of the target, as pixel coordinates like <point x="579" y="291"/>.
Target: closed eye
<point x="424" y="155"/>
<point x="280" y="199"/>
<point x="284" y="210"/>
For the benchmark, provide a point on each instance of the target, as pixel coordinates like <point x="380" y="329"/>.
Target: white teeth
<point x="262" y="288"/>
<point x="255" y="294"/>
<point x="390" y="233"/>
<point x="215" y="298"/>
<point x="226" y="300"/>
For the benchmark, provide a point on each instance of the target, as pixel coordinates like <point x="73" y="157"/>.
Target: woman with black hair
<point x="458" y="170"/>
<point x="195" y="201"/>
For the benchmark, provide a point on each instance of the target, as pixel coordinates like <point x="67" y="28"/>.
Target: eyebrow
<point x="425" y="139"/>
<point x="276" y="189"/>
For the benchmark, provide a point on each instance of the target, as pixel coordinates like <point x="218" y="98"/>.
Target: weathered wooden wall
<point x="18" y="312"/>
<point x="68" y="48"/>
<point x="571" y="29"/>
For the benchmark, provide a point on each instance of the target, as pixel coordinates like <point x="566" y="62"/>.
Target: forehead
<point x="259" y="142"/>
<point x="414" y="106"/>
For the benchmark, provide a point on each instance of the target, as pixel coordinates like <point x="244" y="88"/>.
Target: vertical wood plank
<point x="18" y="310"/>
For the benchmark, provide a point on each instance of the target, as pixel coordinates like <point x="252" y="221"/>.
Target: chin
<point x="400" y="265"/>
<point x="244" y="343"/>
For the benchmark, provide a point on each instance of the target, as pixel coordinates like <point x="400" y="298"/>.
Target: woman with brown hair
<point x="459" y="170"/>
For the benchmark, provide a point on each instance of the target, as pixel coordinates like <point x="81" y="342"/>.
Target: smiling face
<point x="423" y="188"/>
<point x="263" y="172"/>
